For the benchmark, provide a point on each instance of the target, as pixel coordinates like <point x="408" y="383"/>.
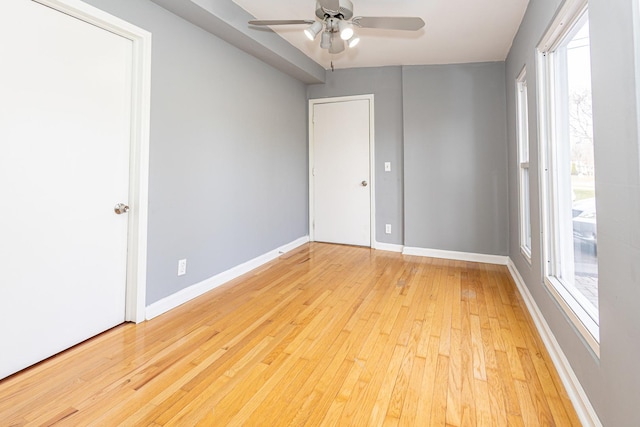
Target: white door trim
<point x="139" y="154"/>
<point x="372" y="174"/>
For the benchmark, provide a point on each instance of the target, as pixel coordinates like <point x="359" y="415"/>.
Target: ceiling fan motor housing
<point x="346" y="10"/>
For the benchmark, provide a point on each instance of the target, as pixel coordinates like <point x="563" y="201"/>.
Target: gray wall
<point x="612" y="382"/>
<point x="228" y="155"/>
<point x="386" y="86"/>
<point x="455" y="158"/>
<point x="443" y="130"/>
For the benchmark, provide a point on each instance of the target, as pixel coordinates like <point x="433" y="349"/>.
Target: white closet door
<point x="65" y="107"/>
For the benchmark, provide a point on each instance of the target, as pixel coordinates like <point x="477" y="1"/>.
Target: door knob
<point x="121" y="208"/>
<point x="364" y="183"/>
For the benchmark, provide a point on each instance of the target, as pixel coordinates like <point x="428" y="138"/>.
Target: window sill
<point x="583" y="322"/>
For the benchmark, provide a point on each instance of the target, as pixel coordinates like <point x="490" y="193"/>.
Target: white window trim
<point x="523" y="164"/>
<point x="569" y="14"/>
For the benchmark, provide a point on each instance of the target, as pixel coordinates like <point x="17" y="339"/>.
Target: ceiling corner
<point x="228" y="21"/>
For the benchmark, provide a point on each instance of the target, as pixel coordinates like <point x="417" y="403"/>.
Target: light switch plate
<point x="387" y="166"/>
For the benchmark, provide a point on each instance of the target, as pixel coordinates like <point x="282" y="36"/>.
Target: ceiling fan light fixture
<point x="353" y="41"/>
<point x="346" y="30"/>
<point x="325" y="40"/>
<point x="337" y="44"/>
<point x="312" y="31"/>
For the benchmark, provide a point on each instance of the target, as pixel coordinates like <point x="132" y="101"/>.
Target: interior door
<point x="65" y="105"/>
<point x="341" y="172"/>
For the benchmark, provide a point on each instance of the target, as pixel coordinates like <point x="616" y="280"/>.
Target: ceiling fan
<point x="338" y="30"/>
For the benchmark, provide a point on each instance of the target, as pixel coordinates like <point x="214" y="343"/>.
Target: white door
<point x="65" y="101"/>
<point x="341" y="178"/>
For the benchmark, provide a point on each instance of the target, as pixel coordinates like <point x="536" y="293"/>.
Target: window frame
<point x="524" y="185"/>
<point x="572" y="304"/>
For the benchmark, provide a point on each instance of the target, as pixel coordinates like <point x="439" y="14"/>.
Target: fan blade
<point x="282" y="22"/>
<point x="332" y="5"/>
<point x="389" y="22"/>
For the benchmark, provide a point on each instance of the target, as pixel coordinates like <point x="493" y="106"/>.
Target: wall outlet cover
<point x="182" y="267"/>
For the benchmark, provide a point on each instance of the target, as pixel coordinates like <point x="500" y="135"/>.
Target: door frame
<point x="372" y="187"/>
<point x="136" y="280"/>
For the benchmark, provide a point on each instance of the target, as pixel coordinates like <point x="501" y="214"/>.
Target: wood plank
<point x="439" y="398"/>
<point x="467" y="365"/>
<point x="409" y="414"/>
<point x="428" y="385"/>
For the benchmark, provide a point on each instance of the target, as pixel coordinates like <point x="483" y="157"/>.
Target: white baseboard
<point x="389" y="247"/>
<point x="581" y="403"/>
<point x="458" y="256"/>
<point x="194" y="291"/>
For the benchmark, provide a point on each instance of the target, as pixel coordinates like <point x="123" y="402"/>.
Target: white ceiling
<point x="456" y="31"/>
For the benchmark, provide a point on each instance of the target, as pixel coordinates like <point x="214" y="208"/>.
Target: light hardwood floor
<point x="326" y="335"/>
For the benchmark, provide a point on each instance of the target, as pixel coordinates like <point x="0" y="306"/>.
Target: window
<point x="522" y="123"/>
<point x="568" y="195"/>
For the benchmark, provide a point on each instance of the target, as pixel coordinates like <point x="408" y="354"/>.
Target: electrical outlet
<point x="387" y="166"/>
<point x="387" y="228"/>
<point x="182" y="267"/>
